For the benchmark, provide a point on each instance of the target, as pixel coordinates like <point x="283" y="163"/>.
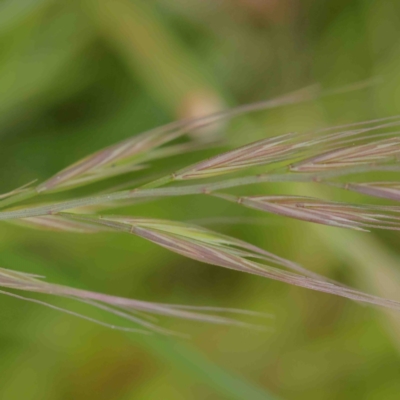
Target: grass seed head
<point x="319" y="157"/>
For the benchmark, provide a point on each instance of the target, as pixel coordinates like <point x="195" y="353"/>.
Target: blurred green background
<point x="78" y="75"/>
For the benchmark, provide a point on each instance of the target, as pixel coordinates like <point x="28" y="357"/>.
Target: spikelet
<point x="138" y="148"/>
<point x="312" y="145"/>
<point x="136" y="311"/>
<point x="262" y="152"/>
<point x="215" y="249"/>
<point x="376" y="152"/>
<point x="338" y="214"/>
<point x="385" y="190"/>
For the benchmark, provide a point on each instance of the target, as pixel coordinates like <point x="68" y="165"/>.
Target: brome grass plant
<point x="345" y="157"/>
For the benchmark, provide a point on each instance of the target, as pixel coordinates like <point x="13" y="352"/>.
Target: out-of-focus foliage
<point x="76" y="76"/>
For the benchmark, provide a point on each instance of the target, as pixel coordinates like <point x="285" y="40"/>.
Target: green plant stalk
<point x="185" y="190"/>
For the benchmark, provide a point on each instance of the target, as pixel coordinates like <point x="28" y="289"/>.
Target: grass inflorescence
<point x="338" y="157"/>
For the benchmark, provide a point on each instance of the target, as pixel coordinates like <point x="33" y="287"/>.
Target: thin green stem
<point x="188" y="190"/>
